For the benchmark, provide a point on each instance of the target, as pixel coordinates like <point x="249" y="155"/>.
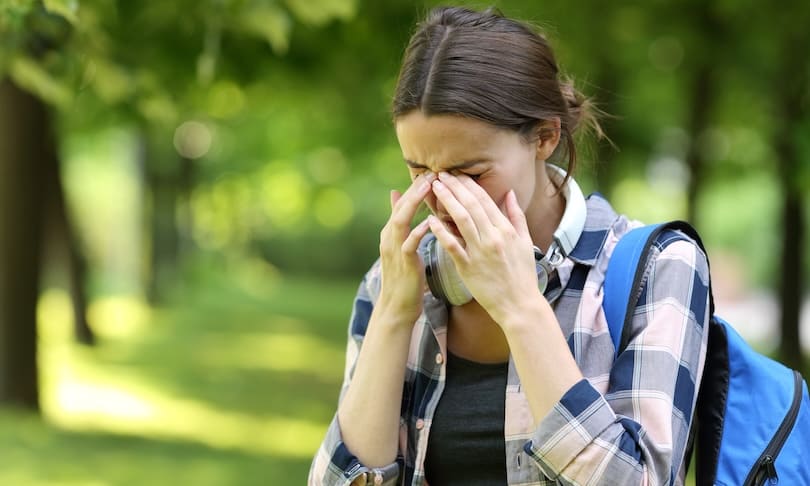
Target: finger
<point x="411" y="243"/>
<point x="395" y="195"/>
<point x="468" y="200"/>
<point x="515" y="214"/>
<point x="490" y="207"/>
<point x="464" y="207"/>
<point x="406" y="206"/>
<point x="448" y="240"/>
<point x="460" y="214"/>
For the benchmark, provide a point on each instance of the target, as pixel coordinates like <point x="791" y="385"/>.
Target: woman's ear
<point x="548" y="137"/>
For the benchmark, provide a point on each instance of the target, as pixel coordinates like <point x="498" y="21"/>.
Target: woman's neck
<point x="473" y="335"/>
<point x="545" y="211"/>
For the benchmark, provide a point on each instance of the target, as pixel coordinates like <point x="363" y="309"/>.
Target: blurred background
<point x="190" y="192"/>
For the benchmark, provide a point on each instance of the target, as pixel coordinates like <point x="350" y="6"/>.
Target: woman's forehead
<point x="450" y="138"/>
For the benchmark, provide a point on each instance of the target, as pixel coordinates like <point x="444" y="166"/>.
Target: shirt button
<point x="439" y="358"/>
<point x="378" y="479"/>
<point x="420" y="424"/>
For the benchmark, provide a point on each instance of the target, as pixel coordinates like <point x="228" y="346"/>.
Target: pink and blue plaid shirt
<point x="626" y="423"/>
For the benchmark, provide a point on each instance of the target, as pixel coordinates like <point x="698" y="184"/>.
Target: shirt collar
<point x="598" y="221"/>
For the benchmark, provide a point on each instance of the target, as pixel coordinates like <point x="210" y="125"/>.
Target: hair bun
<point x="582" y="110"/>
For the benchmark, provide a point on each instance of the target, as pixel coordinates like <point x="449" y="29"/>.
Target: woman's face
<point x="497" y="159"/>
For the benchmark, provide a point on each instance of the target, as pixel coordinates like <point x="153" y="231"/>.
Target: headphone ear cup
<point x="442" y="276"/>
<point x="454" y="288"/>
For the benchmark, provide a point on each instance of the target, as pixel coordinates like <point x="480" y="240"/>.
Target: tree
<point x="792" y="103"/>
<point x="47" y="50"/>
<point x="702" y="92"/>
<point x="25" y="144"/>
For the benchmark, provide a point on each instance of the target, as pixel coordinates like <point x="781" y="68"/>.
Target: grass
<point x="234" y="383"/>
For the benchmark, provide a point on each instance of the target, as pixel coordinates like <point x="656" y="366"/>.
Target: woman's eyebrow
<point x="457" y="166"/>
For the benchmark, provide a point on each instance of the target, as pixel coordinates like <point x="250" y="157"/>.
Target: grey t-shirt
<point x="466" y="443"/>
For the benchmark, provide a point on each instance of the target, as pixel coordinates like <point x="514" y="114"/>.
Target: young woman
<point x="509" y="375"/>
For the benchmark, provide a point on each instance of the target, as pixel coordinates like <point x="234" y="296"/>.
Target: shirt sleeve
<point x="637" y="432"/>
<point x="334" y="464"/>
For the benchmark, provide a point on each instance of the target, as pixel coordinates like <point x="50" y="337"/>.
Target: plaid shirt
<point x="626" y="423"/>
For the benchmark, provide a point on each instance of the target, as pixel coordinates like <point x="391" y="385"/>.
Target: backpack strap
<point x="624" y="273"/>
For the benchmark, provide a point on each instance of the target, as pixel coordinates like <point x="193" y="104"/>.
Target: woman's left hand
<point x="496" y="258"/>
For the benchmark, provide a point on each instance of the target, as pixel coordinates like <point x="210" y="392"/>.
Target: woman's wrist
<point x="395" y="315"/>
<point x="531" y="310"/>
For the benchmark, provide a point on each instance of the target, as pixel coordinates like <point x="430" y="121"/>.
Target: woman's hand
<point x="403" y="275"/>
<point x="496" y="258"/>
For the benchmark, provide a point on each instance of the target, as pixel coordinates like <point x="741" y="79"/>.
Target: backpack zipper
<point x="765" y="469"/>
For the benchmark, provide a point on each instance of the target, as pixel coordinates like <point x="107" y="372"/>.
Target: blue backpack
<point x="752" y="419"/>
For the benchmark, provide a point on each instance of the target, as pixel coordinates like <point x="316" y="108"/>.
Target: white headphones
<point x="444" y="281"/>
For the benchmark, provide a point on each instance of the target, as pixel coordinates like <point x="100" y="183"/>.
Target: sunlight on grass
<point x="278" y="351"/>
<point x="110" y="317"/>
<point x="74" y="397"/>
<point x="126" y="406"/>
<point x="81" y="393"/>
<point x="54" y="316"/>
<point x="119" y="317"/>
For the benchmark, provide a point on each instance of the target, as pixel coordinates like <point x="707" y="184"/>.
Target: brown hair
<point x="492" y="68"/>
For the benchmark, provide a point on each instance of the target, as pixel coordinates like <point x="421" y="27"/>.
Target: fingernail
<point x="430" y="176"/>
<point x="438" y="185"/>
<point x="443" y="175"/>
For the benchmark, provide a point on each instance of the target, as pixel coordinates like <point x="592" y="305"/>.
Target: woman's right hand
<point x="403" y="275"/>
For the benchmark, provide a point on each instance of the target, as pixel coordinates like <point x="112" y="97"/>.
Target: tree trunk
<point x="61" y="231"/>
<point x="162" y="194"/>
<point x="702" y="98"/>
<point x="792" y="281"/>
<point x="703" y="88"/>
<point x="793" y="80"/>
<point x="25" y="142"/>
<point x="186" y="179"/>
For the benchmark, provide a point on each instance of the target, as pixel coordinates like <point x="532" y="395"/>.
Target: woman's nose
<point x="435" y="206"/>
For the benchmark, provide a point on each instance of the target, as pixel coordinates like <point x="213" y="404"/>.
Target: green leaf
<point x="111" y="83"/>
<point x="319" y="12"/>
<point x="12" y="17"/>
<point x="270" y="22"/>
<point x="159" y="109"/>
<point x="32" y="77"/>
<point x="66" y="8"/>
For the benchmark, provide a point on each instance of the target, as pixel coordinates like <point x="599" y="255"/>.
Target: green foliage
<point x="66" y="9"/>
<point x="13" y="14"/>
<point x="292" y="98"/>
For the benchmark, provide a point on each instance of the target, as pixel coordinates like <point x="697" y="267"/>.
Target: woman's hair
<point x="492" y="68"/>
